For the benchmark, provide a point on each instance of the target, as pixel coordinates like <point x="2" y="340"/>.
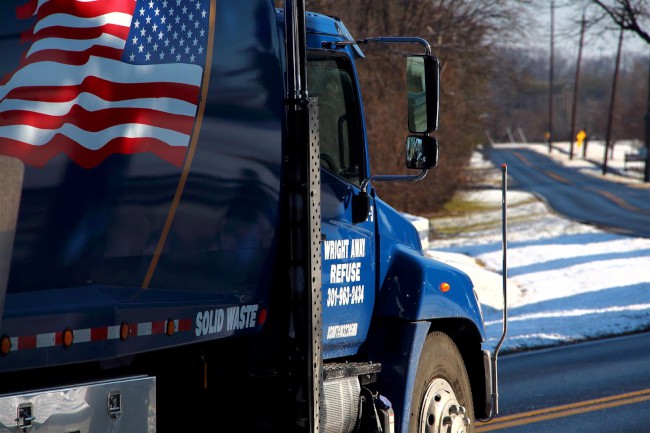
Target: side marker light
<point x="445" y="287"/>
<point x="124" y="331"/>
<point x="170" y="328"/>
<point x="5" y="345"/>
<point x="68" y="337"/>
<point x="262" y="317"/>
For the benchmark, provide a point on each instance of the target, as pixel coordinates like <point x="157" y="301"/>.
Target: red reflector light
<point x="445" y="287"/>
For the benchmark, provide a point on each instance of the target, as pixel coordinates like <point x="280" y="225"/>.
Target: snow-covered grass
<point x="567" y="281"/>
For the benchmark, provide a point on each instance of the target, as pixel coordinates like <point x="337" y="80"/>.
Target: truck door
<point x="348" y="250"/>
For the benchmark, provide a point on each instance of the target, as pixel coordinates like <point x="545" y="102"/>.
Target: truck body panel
<point x="86" y="236"/>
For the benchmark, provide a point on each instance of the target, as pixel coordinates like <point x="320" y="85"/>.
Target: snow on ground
<point x="567" y="281"/>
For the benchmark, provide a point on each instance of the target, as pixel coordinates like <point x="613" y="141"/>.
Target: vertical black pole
<point x="504" y="276"/>
<point x="550" y="82"/>
<point x="301" y="201"/>
<point x="646" y="173"/>
<point x="576" y="86"/>
<point x="611" y="102"/>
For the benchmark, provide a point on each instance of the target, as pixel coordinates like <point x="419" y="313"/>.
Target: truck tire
<point x="442" y="395"/>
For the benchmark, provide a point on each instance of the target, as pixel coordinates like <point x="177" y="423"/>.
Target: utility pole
<point x="646" y="173"/>
<point x="576" y="86"/>
<point x="611" y="102"/>
<point x="550" y="82"/>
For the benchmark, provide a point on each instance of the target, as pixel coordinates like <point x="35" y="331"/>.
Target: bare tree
<point x="630" y="15"/>
<point x="463" y="34"/>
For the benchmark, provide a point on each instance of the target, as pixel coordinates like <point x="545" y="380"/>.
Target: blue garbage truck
<point x="190" y="235"/>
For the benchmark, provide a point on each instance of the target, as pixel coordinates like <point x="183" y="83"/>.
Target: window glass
<point x="340" y="139"/>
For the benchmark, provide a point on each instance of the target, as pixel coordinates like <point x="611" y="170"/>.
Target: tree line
<point x="520" y="96"/>
<point x="462" y="34"/>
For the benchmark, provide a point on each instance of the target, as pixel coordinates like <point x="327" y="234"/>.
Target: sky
<point x="567" y="281"/>
<point x="600" y="40"/>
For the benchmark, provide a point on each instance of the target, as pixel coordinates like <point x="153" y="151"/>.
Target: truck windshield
<point x="341" y="145"/>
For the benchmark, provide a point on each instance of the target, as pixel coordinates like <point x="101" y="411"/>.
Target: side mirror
<point x="423" y="91"/>
<point x="421" y="152"/>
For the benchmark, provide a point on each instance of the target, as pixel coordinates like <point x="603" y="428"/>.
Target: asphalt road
<point x="613" y="206"/>
<point x="600" y="386"/>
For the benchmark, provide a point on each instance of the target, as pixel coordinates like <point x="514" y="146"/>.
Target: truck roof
<point x="326" y="26"/>
<point x="322" y="24"/>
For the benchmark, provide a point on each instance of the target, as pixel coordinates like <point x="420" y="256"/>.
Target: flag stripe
<point x="91" y="102"/>
<point x="92" y="140"/>
<point x="38" y="157"/>
<point x="103" y="90"/>
<point x="72" y="58"/>
<point x="75" y="33"/>
<point x="105" y="69"/>
<point x="96" y="121"/>
<point x="76" y="45"/>
<point x="84" y="9"/>
<point x="88" y="22"/>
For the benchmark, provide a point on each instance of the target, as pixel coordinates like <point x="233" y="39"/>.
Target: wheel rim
<point x="441" y="412"/>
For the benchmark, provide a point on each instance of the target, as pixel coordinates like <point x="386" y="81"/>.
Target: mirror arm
<point x="392" y="178"/>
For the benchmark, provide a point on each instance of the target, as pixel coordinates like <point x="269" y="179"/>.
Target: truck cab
<point x="378" y="287"/>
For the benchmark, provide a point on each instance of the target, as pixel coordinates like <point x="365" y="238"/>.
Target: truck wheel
<point x="442" y="396"/>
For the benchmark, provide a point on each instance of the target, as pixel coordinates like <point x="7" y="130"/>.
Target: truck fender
<point x="417" y="288"/>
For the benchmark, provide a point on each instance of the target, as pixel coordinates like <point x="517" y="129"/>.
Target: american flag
<point x="103" y="77"/>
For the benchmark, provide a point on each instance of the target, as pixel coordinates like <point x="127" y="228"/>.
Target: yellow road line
<point x="557" y="177"/>
<point x="618" y="201"/>
<point x="522" y="158"/>
<point x="551" y="174"/>
<point x="564" y="410"/>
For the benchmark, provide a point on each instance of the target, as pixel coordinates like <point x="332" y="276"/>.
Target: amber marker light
<point x="68" y="337"/>
<point x="171" y="328"/>
<point x="5" y="345"/>
<point x="124" y="331"/>
<point x="445" y="287"/>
